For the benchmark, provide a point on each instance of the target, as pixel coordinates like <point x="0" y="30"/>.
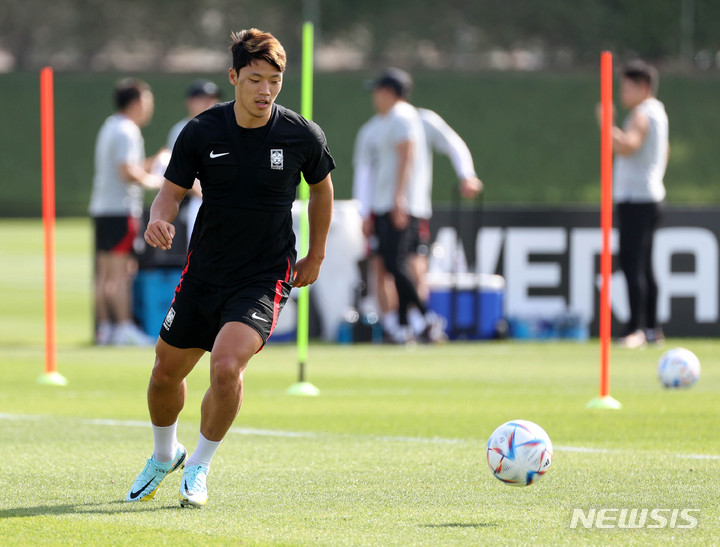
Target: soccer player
<point x="641" y="153"/>
<point x="399" y="194"/>
<point x="248" y="155"/>
<point x="116" y="206"/>
<point x="370" y="153"/>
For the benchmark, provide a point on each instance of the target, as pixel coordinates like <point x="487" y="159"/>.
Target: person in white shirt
<point x="200" y="96"/>
<point x="395" y="143"/>
<point x="116" y="205"/>
<point x="441" y="138"/>
<point x="641" y="149"/>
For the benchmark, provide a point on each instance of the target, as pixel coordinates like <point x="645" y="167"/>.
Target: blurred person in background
<point x="437" y="136"/>
<point x="116" y="206"/>
<point x="641" y="150"/>
<point x="200" y="96"/>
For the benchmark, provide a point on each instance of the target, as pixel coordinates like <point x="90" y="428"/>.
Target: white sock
<point x="104" y="332"/>
<point x="389" y="322"/>
<point x="416" y="320"/>
<point x="165" y="442"/>
<point x="204" y="452"/>
<point x="127" y="324"/>
<point x="104" y="325"/>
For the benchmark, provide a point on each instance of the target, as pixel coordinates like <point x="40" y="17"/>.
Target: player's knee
<point x="226" y="371"/>
<point x="161" y="378"/>
<point x="165" y="375"/>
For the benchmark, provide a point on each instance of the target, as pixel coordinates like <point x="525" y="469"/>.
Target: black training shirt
<point x="249" y="179"/>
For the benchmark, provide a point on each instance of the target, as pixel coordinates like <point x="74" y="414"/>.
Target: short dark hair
<point x="396" y="79"/>
<point x="203" y="88"/>
<point x="127" y="91"/>
<point x="255" y="45"/>
<point x="641" y="72"/>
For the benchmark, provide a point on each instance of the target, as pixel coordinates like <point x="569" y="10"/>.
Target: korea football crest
<point x="276" y="158"/>
<point x="169" y="318"/>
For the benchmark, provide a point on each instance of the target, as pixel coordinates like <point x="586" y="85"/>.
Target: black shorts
<point x="116" y="234"/>
<point x="415" y="241"/>
<point x="198" y="312"/>
<point x="420" y="244"/>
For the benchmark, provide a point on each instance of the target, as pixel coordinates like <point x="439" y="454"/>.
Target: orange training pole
<point x="47" y="146"/>
<point x="606" y="124"/>
<point x="605" y="218"/>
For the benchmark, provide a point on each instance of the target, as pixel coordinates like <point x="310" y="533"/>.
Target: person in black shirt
<point x="248" y="155"/>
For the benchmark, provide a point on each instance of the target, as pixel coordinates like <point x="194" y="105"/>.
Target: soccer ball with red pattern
<point x="519" y="452"/>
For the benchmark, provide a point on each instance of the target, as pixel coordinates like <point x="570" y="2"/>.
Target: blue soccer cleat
<point x="148" y="481"/>
<point x="193" y="488"/>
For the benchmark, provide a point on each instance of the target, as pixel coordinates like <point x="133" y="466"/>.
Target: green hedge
<point x="533" y="136"/>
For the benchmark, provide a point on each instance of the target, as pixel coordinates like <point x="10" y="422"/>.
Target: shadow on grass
<point x="461" y="525"/>
<point x="106" y="508"/>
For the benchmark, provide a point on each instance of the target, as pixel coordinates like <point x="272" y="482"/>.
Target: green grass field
<point x="391" y="453"/>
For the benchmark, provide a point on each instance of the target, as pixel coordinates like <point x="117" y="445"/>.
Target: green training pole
<point x="302" y="387"/>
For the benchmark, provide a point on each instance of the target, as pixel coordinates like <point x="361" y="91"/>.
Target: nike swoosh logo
<point x="256" y="316"/>
<point x="213" y="155"/>
<point x="185" y="486"/>
<point x="134" y="495"/>
<point x="179" y="463"/>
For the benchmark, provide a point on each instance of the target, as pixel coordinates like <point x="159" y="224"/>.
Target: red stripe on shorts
<point x="125" y="245"/>
<point x="179" y="285"/>
<point x="424" y="230"/>
<point x="278" y="297"/>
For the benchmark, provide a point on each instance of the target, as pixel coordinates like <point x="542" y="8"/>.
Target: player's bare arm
<point x="368" y="226"/>
<point x="160" y="231"/>
<point x="599" y="111"/>
<point x="320" y="208"/>
<point x="404" y="157"/>
<point x="629" y="141"/>
<point x="136" y="174"/>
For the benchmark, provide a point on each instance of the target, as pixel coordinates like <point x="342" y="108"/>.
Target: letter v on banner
<point x="604" y="400"/>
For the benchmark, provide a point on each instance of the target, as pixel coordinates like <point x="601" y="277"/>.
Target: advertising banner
<point x="550" y="259"/>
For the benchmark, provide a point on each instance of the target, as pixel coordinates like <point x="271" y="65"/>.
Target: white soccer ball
<point x="678" y="367"/>
<point x="519" y="452"/>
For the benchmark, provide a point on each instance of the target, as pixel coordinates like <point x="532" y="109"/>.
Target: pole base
<point x="52" y="379"/>
<point x="604" y="402"/>
<point x="305" y="389"/>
